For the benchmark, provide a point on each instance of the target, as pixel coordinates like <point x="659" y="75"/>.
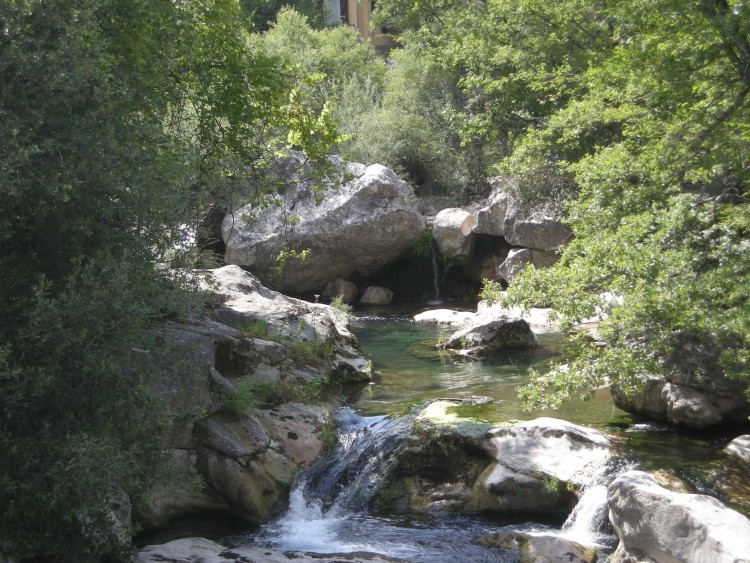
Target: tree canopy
<point x="634" y="117"/>
<point x="121" y="122"/>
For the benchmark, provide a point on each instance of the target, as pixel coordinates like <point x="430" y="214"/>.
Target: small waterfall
<point x="588" y="524"/>
<point x="589" y="517"/>
<point x="327" y="497"/>
<point x="328" y="506"/>
<point x="436" y="271"/>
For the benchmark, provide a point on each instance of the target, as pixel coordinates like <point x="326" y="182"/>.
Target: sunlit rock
<point x="444" y="317"/>
<point x="655" y="523"/>
<point x="489" y="332"/>
<point x="519" y="259"/>
<point x="740" y="448"/>
<point x="361" y="227"/>
<point x="452" y="231"/>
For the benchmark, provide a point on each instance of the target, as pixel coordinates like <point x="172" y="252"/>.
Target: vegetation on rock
<point x="121" y="123"/>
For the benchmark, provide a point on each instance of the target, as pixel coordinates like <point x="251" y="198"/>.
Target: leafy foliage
<point x="121" y="121"/>
<point x="634" y="116"/>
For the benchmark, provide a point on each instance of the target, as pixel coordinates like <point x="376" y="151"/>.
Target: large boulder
<point x="539" y="461"/>
<point x="359" y="228"/>
<point x="668" y="527"/>
<point x="377" y="295"/>
<point x="489" y="332"/>
<point x="234" y="460"/>
<point x="534" y="228"/>
<point x="739" y="448"/>
<point x="697" y="394"/>
<point x="491" y="217"/>
<point x="452" y="231"/>
<point x="200" y="550"/>
<point x="450" y="463"/>
<point x="342" y="288"/>
<point x="245" y="303"/>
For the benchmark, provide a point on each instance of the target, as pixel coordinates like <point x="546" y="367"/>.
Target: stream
<point x="328" y="510"/>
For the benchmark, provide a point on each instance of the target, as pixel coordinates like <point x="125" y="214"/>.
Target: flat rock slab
<point x="550" y="446"/>
<point x="444" y="317"/>
<point x="200" y="550"/>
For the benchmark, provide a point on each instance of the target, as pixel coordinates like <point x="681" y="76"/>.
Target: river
<point x="328" y="510"/>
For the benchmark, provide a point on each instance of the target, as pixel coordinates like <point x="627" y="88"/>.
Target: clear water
<point x="410" y="371"/>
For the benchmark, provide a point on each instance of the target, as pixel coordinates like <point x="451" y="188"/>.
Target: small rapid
<point x="328" y="507"/>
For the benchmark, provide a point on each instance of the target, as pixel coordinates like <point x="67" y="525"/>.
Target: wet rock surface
<point x="200" y="550"/>
<point x="449" y="463"/>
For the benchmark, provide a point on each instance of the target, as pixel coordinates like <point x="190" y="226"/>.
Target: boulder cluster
<point x="339" y="239"/>
<point x="231" y="450"/>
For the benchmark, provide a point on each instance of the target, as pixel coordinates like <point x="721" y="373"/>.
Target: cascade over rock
<point x="450" y="463"/>
<point x="359" y="228"/>
<point x="655" y="523"/>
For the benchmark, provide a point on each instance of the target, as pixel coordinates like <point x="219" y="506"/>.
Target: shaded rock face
<point x="490" y="332"/>
<point x="435" y="468"/>
<point x="356" y="230"/>
<point x="241" y="460"/>
<point x="520" y="258"/>
<point x="460" y="465"/>
<point x="342" y="288"/>
<point x="377" y="295"/>
<point x="200" y="550"/>
<point x="698" y="394"/>
<point x="654" y="523"/>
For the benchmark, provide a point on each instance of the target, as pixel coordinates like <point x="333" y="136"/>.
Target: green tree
<point x="656" y="142"/>
<point x="120" y="122"/>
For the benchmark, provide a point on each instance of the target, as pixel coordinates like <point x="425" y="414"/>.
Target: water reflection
<point x="411" y="370"/>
